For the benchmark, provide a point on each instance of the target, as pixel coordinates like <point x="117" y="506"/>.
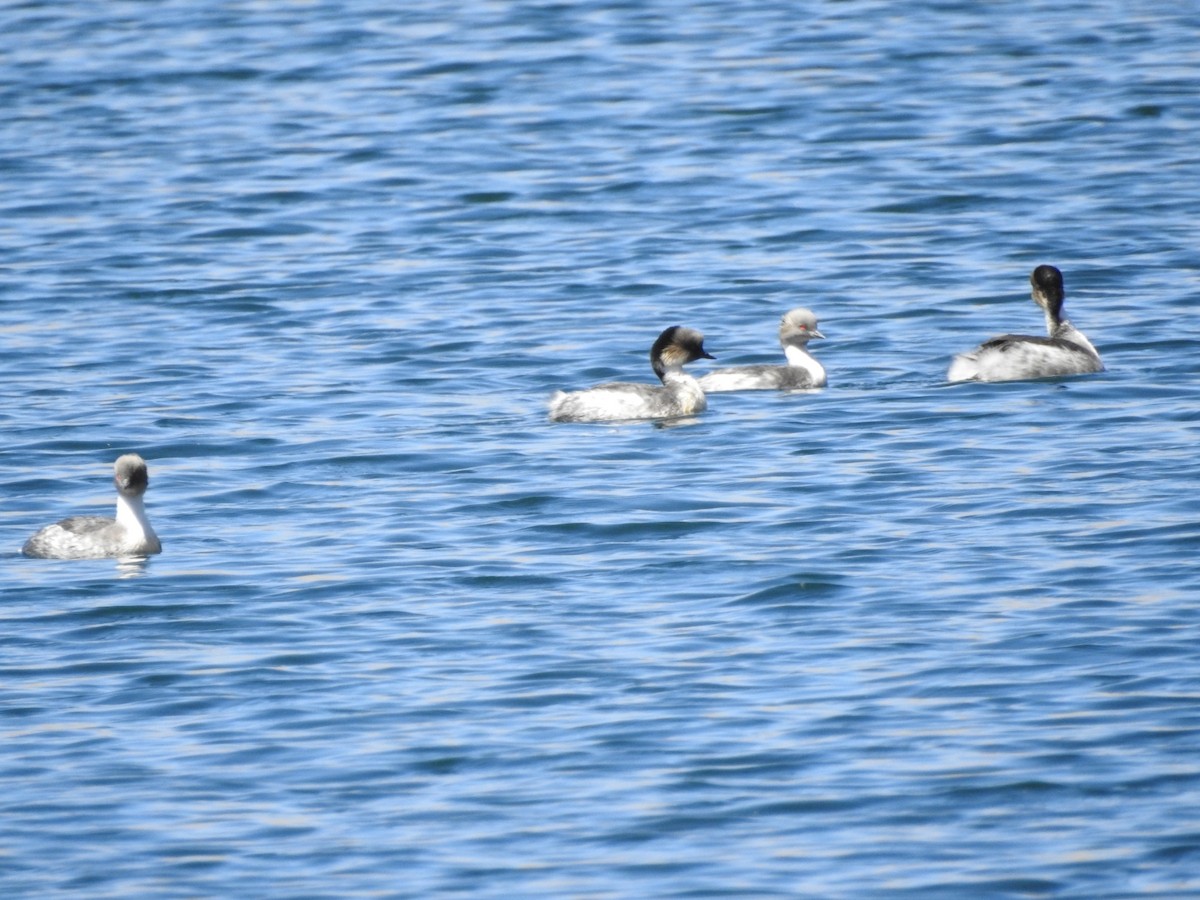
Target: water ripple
<point x="408" y="638"/>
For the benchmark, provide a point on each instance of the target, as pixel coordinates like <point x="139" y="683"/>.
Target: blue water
<point x="322" y="264"/>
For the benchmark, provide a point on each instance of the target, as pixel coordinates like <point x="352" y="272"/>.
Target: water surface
<point x="323" y="265"/>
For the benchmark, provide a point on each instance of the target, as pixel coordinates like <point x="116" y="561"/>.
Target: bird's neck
<point x="798" y="355"/>
<point x="131" y="515"/>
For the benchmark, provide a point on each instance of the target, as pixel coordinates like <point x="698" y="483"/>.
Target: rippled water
<point x="322" y="265"/>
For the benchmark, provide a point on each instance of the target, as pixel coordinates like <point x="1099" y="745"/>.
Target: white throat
<point x="686" y="390"/>
<point x="131" y="515"/>
<point x="798" y="355"/>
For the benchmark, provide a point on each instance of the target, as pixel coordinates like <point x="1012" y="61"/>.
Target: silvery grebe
<point x="97" y="537"/>
<point x="679" y="395"/>
<point x="803" y="370"/>
<point x="1013" y="357"/>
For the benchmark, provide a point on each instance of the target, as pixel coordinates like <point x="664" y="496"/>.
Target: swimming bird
<point x="97" y="537"/>
<point x="797" y="327"/>
<point x="679" y="395"/>
<point x="1013" y="357"/>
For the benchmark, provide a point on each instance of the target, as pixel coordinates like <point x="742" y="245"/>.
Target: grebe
<point x="1013" y="357"/>
<point x="679" y="395"/>
<point x="97" y="537"/>
<point x="796" y="328"/>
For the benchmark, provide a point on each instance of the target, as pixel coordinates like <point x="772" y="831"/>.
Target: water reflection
<point x="132" y="566"/>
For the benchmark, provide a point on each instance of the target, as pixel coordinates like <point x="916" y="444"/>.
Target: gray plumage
<point x="796" y="328"/>
<point x="679" y="395"/>
<point x="1014" y="357"/>
<point x="99" y="537"/>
